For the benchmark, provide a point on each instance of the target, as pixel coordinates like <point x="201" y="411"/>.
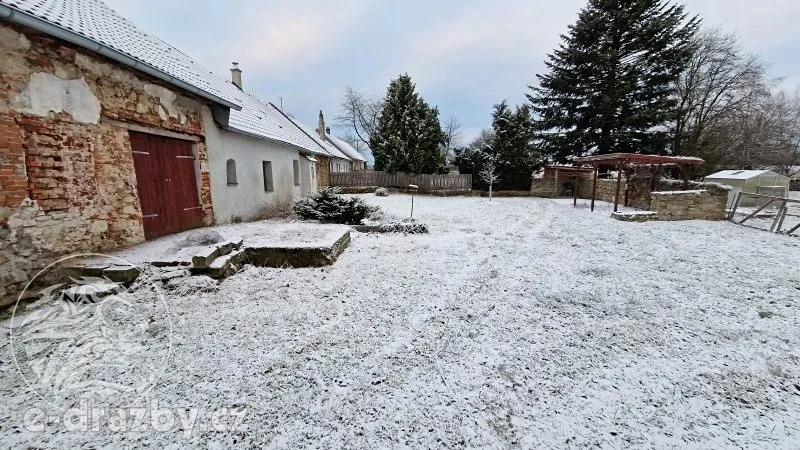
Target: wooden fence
<point x="368" y="178"/>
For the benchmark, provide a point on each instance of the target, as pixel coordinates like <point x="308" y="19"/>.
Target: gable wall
<point x="67" y="180"/>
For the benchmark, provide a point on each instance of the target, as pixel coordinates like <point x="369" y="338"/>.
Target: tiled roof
<point x="262" y="119"/>
<point x="86" y="22"/>
<point x="333" y="151"/>
<point x="91" y="22"/>
<point x="346" y="148"/>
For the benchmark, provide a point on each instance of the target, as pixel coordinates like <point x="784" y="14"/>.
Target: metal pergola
<point x="622" y="161"/>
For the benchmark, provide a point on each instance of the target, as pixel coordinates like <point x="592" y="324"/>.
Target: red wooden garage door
<point x="167" y="185"/>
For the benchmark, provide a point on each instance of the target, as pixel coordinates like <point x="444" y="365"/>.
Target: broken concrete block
<point x="324" y="254"/>
<point x="236" y="241"/>
<point x="170" y="263"/>
<point x="121" y="274"/>
<point x="91" y="292"/>
<point x="172" y="274"/>
<point x="203" y="258"/>
<point x="84" y="270"/>
<point x="230" y="245"/>
<point x="225" y="266"/>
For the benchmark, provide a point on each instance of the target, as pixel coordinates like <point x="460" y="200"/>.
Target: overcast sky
<point x="464" y="55"/>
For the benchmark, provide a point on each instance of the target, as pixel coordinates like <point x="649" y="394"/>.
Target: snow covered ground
<point x="518" y="323"/>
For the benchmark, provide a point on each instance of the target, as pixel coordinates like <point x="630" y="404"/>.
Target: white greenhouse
<point x="765" y="182"/>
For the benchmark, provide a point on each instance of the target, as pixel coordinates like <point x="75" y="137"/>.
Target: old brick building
<point x="110" y="136"/>
<point x="76" y="129"/>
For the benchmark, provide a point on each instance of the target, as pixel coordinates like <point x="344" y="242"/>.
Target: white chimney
<point x="236" y="75"/>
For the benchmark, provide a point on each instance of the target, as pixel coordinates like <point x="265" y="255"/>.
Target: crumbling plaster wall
<point x="67" y="179"/>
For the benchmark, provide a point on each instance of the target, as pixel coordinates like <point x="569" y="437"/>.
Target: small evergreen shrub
<point x="382" y="192"/>
<point x="330" y="207"/>
<point x="408" y="226"/>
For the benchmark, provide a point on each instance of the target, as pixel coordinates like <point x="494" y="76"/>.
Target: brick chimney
<point x="321" y="126"/>
<point x="236" y="75"/>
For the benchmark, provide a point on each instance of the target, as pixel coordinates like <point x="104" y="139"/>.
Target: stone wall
<point x="546" y="187"/>
<point x="636" y="192"/>
<point x="67" y="180"/>
<point x="323" y="171"/>
<point x="688" y="205"/>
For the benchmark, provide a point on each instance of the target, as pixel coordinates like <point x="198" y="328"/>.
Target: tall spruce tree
<point x="610" y="86"/>
<point x="408" y="137"/>
<point x="512" y="146"/>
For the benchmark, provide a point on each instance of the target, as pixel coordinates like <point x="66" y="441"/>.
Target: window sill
<point x="233" y="184"/>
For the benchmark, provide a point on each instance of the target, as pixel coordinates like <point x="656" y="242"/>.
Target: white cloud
<point x="279" y="37"/>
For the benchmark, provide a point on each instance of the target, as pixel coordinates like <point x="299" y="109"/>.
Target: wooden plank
<point x="594" y="185"/>
<point x="619" y="182"/>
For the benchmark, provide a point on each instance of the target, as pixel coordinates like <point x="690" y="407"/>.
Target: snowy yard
<point x="517" y="323"/>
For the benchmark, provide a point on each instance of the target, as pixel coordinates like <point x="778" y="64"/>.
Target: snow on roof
<point x="85" y="22"/>
<point x="91" y="22"/>
<point x="739" y="174"/>
<point x="263" y="119"/>
<point x="346" y="148"/>
<point x="329" y="148"/>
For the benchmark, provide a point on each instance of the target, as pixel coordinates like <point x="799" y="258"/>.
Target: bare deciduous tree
<point x="359" y="113"/>
<point x="719" y="83"/>
<point x="452" y="136"/>
<point x="483" y="140"/>
<point x="488" y="172"/>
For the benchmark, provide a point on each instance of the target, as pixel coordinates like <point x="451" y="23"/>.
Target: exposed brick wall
<point x="67" y="179"/>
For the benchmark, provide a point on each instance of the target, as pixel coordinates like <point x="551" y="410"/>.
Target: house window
<point x="230" y="168"/>
<point x="296" y="168"/>
<point x="266" y="167"/>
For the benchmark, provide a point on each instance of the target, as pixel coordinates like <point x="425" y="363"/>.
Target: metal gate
<point x="166" y="183"/>
<point x="778" y="214"/>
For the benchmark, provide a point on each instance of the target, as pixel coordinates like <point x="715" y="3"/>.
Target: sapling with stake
<point x="488" y="173"/>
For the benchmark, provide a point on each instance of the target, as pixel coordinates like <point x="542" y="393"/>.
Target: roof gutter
<point x="263" y="138"/>
<point x="18" y="17"/>
<point x="325" y="152"/>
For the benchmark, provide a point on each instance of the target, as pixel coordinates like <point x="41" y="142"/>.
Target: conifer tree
<point x="408" y="137"/>
<point x="610" y="86"/>
<point x="513" y="146"/>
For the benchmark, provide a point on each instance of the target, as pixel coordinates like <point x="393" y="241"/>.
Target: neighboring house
<point x="357" y="160"/>
<point x="264" y="161"/>
<point x="110" y="136"/>
<point x="335" y="161"/>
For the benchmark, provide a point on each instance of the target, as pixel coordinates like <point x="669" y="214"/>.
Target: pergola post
<point x="555" y="187"/>
<point x="594" y="184"/>
<point x="577" y="186"/>
<point x="619" y="182"/>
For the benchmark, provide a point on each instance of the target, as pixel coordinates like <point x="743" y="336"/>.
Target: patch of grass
<point x="281" y="207"/>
